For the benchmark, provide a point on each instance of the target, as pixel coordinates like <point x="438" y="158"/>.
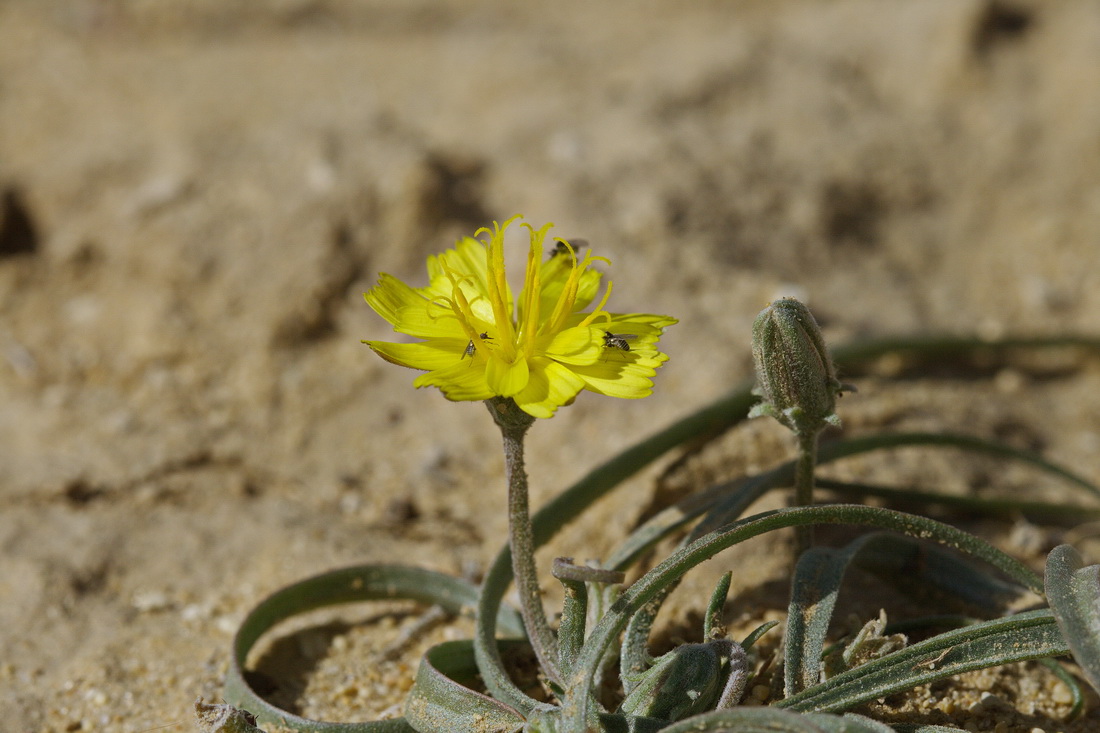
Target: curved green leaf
<point x="346" y="585"/>
<point x="972" y="443"/>
<point x="730" y="508"/>
<point x="1076" y="693"/>
<point x="849" y="723"/>
<point x="634" y="654"/>
<point x="656" y="580"/>
<point x="740" y="494"/>
<point x="726" y="502"/>
<point x="1036" y="511"/>
<point x="439" y="702"/>
<point x="1029" y="635"/>
<point x="736" y="496"/>
<point x="747" y="720"/>
<point x="963" y="351"/>
<point x="895" y="556"/>
<point x="1073" y="591"/>
<point x="774" y="720"/>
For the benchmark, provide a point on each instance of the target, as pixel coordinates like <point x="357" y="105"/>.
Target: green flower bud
<point x="794" y="373"/>
<point x="685" y="682"/>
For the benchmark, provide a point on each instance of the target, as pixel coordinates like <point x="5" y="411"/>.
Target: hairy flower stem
<point x="514" y="423"/>
<point x="804" y="488"/>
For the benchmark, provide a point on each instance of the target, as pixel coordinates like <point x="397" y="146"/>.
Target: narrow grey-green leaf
<point x="1012" y="508"/>
<point x="814" y="588"/>
<point x="728" y="509"/>
<point x="898" y="556"/>
<point x="774" y="720"/>
<point x="440" y="702"/>
<point x="1029" y="635"/>
<point x="849" y="723"/>
<point x="649" y="586"/>
<point x="1073" y="591"/>
<point x="747" y="720"/>
<point x="634" y="654"/>
<point x="345" y="585"/>
<point x="712" y="621"/>
<point x="972" y="443"/>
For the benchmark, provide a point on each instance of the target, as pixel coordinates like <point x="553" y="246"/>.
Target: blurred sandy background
<point x="195" y="195"/>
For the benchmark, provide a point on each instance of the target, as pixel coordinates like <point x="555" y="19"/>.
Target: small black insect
<point x="618" y="340"/>
<point x="471" y="349"/>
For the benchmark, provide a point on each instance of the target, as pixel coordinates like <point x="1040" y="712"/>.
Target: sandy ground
<point x="195" y="194"/>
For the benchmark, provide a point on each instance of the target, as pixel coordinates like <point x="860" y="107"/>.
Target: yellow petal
<point x="504" y="378"/>
<point x="576" y="345"/>
<point x="587" y="288"/>
<point x="439" y="288"/>
<point x="468" y="264"/>
<point x="648" y="358"/>
<point x="390" y="295"/>
<point x="555" y="280"/>
<point x="482" y="310"/>
<point x="648" y="319"/>
<point x="471" y="258"/>
<point x="623" y="379"/>
<point x="646" y="326"/>
<point x="427" y="355"/>
<point x="551" y="385"/>
<point x="428" y="321"/>
<point x="461" y="382"/>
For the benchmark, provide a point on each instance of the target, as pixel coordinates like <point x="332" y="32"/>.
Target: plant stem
<point x="513" y="424"/>
<point x="804" y="488"/>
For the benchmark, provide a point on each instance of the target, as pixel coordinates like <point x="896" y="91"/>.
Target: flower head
<point x="541" y="351"/>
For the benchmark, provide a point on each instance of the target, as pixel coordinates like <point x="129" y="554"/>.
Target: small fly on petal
<point x="618" y="340"/>
<point x="471" y="349"/>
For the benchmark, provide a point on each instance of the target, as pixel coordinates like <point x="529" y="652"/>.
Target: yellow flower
<point x="540" y="352"/>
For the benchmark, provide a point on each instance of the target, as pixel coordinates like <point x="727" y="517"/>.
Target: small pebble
<point x="1009" y="381"/>
<point x="988" y="701"/>
<point x="1061" y="694"/>
<point x="1026" y="538"/>
<point x="146" y="601"/>
<point x="226" y="625"/>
